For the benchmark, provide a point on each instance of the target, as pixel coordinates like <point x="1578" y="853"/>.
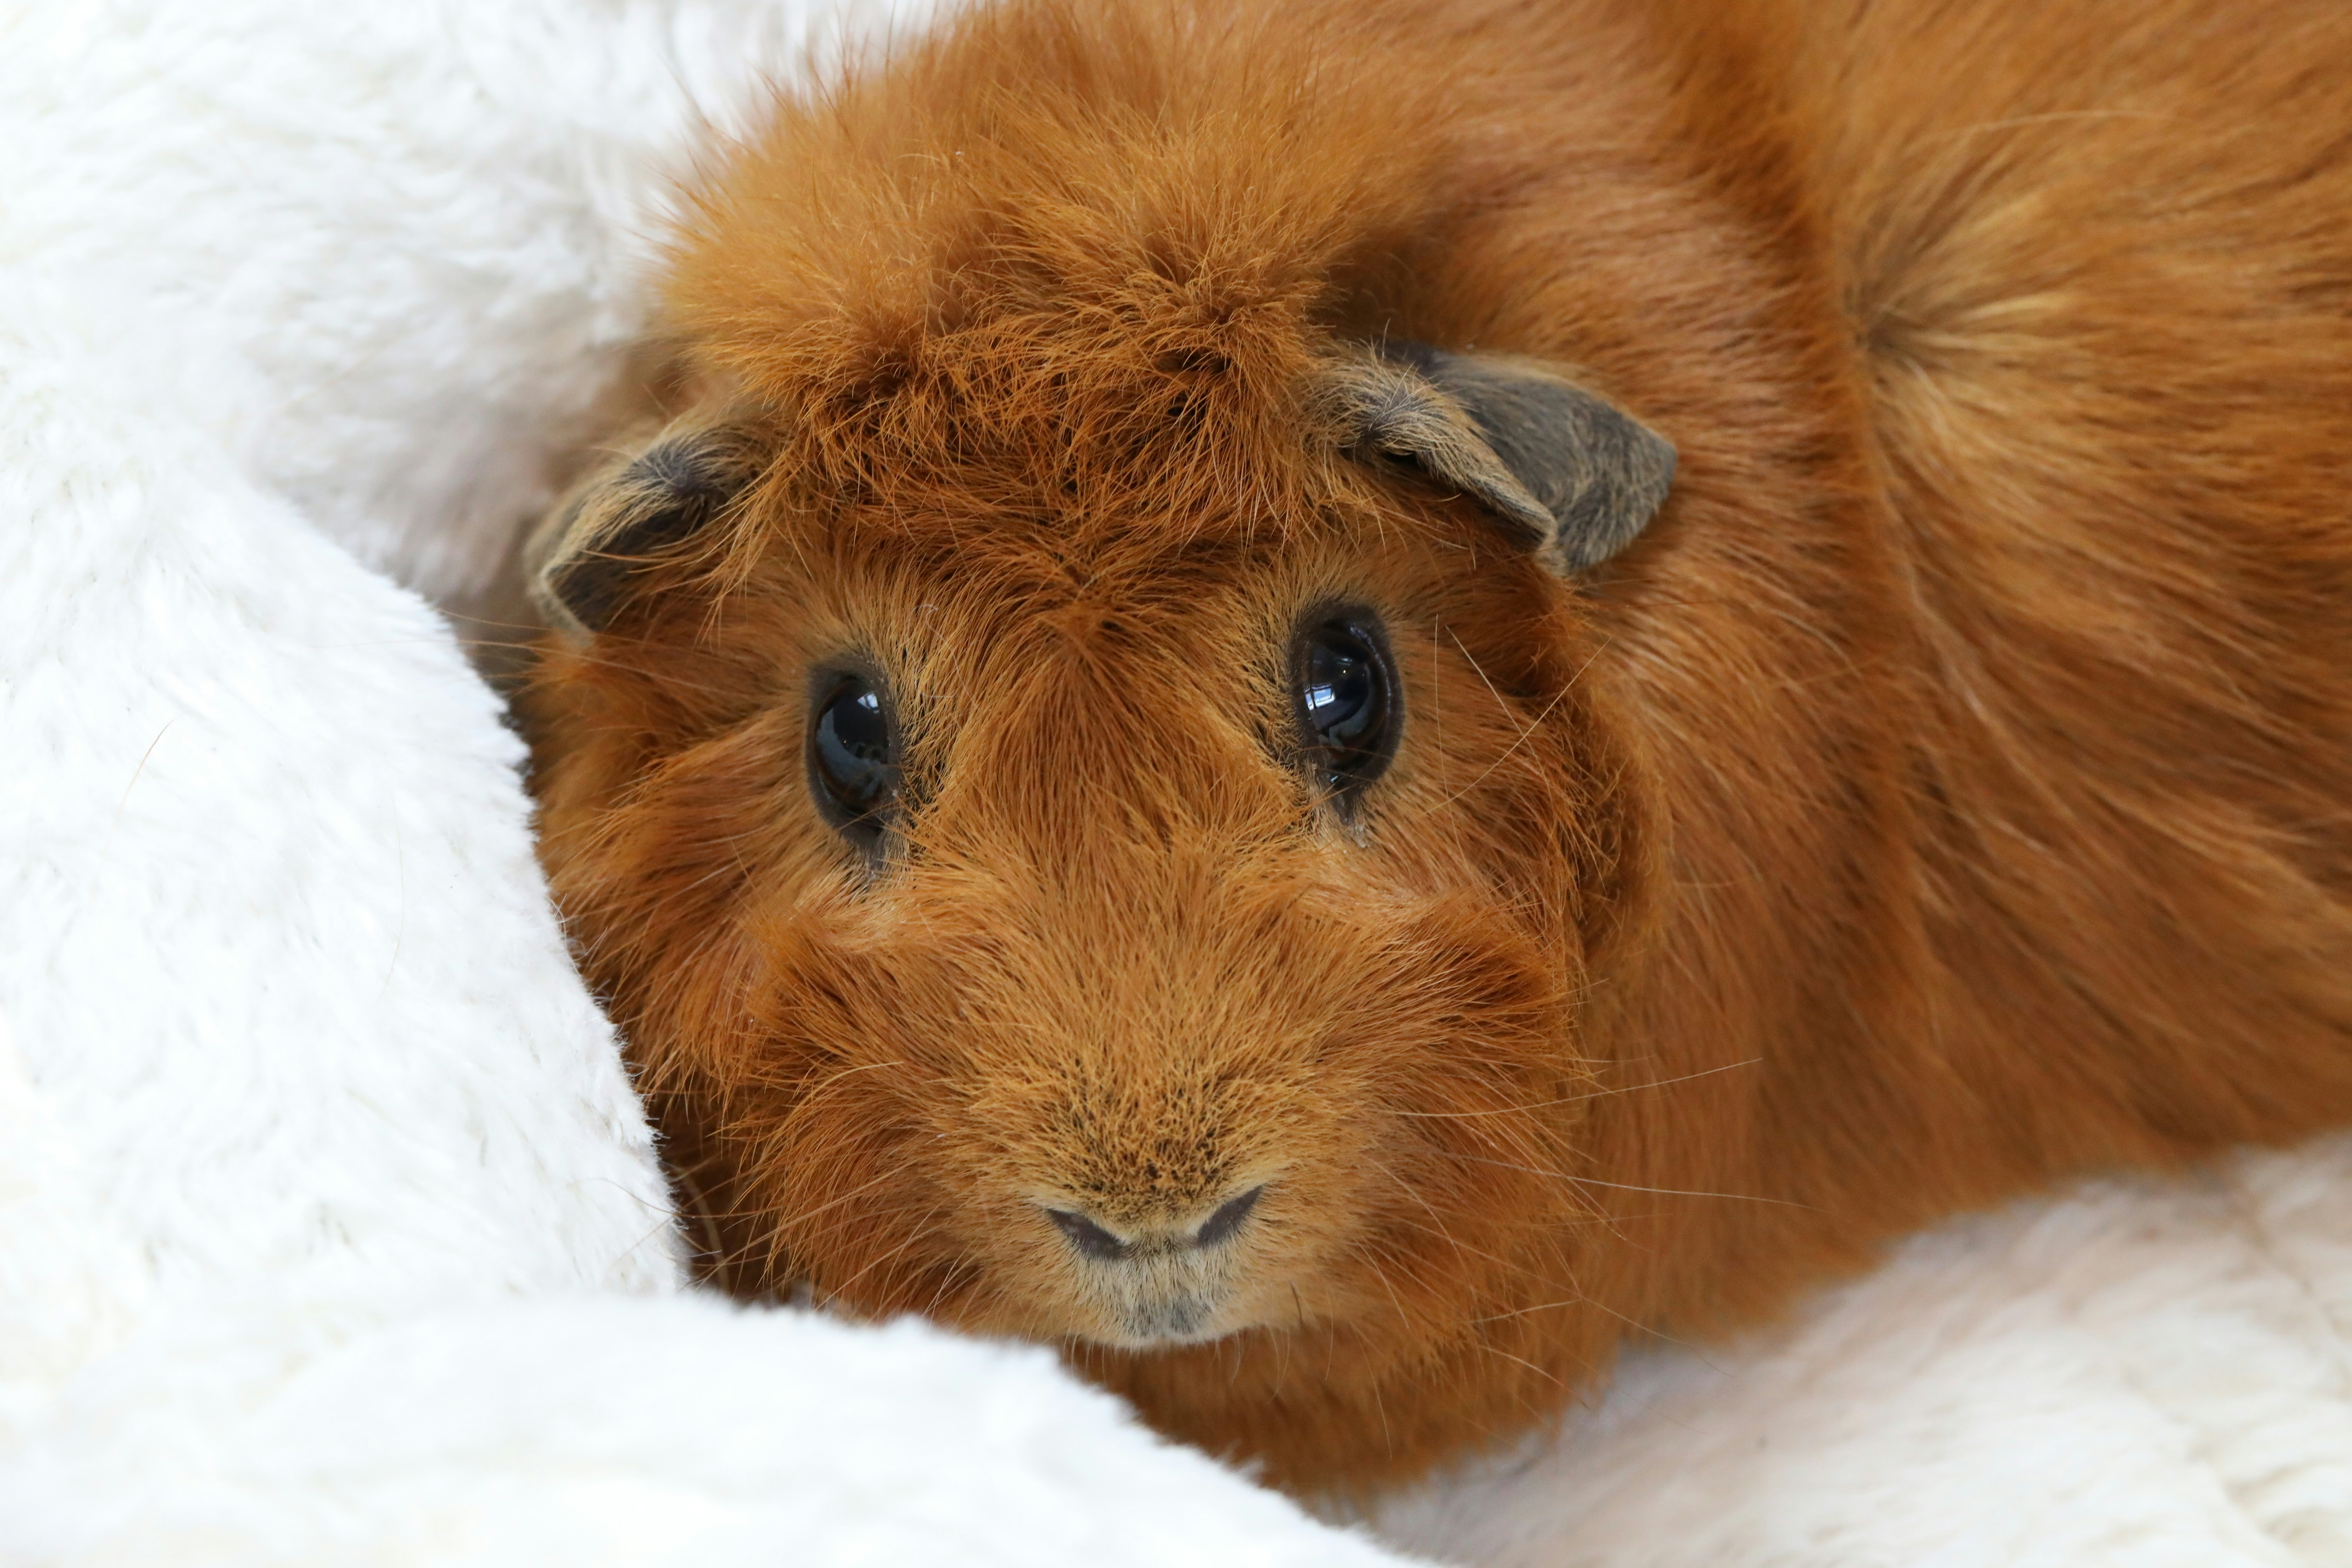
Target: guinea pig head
<point x="1129" y="881"/>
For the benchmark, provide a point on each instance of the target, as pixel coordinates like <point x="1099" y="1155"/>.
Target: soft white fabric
<point x="329" y="1228"/>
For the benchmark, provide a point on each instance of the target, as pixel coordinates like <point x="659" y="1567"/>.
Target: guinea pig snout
<point x="1099" y="1241"/>
<point x="1166" y="1281"/>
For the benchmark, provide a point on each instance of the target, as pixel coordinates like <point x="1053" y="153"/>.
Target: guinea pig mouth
<point x="1171" y="1320"/>
<point x="1141" y="1306"/>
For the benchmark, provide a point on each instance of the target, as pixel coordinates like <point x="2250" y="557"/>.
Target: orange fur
<point x="1946" y="794"/>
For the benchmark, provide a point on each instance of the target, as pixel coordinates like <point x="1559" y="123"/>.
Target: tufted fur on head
<point x="1852" y="520"/>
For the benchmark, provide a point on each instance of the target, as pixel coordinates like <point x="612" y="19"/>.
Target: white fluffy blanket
<point x="329" y="1228"/>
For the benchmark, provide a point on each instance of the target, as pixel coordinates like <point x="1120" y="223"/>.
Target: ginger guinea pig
<point x="1334" y="702"/>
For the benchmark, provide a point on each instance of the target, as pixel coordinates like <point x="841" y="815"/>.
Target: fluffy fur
<point x="1944" y="795"/>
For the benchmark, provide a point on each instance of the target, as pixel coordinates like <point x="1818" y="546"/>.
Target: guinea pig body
<point x="1141" y="765"/>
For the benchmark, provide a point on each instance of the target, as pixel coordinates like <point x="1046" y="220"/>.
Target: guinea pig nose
<point x="1228" y="1217"/>
<point x="1087" y="1235"/>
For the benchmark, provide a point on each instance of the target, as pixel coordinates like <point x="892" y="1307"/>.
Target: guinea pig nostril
<point x="1087" y="1235"/>
<point x="1228" y="1217"/>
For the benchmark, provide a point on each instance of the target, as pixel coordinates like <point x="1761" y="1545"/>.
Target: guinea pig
<point x="1333" y="702"/>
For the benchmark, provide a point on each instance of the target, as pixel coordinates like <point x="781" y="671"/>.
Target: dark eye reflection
<point x="853" y="762"/>
<point x="1346" y="703"/>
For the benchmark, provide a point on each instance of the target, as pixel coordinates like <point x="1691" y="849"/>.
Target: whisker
<point x="1437" y="1224"/>
<point x="1579" y="1099"/>
<point x="1526" y="734"/>
<point x="806" y="1215"/>
<point x="1619" y="1187"/>
<point x="1481" y="673"/>
<point x="914" y="1233"/>
<point x="1472" y="1251"/>
<point x="1552" y="1378"/>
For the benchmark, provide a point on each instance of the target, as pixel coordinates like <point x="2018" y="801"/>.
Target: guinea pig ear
<point x="579" y="559"/>
<point x="1578" y="475"/>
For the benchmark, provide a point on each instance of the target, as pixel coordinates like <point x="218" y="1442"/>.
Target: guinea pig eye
<point x="853" y="765"/>
<point x="1346" y="703"/>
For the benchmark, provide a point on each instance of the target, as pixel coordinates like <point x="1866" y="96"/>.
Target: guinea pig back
<point x="1332" y="702"/>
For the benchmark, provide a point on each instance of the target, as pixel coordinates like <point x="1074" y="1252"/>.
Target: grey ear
<point x="579" y="559"/>
<point x="1577" y="474"/>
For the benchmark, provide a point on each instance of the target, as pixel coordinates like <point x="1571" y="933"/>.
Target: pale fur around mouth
<point x="1151" y="1301"/>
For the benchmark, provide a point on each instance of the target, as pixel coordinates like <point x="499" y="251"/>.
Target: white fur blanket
<point x="329" y="1227"/>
